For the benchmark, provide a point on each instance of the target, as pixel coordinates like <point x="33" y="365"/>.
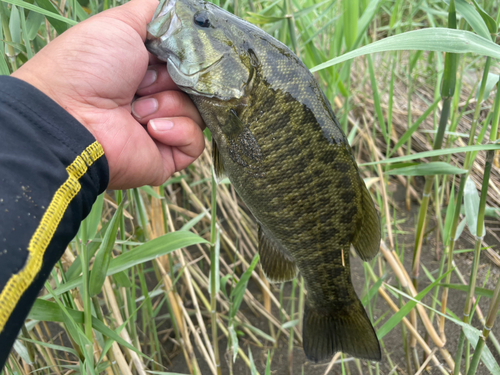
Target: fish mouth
<point x="164" y="25"/>
<point x="162" y="21"/>
<point x="175" y="62"/>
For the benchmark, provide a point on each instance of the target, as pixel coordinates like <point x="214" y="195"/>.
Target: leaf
<point x="352" y="133"/>
<point x="94" y="218"/>
<point x="51" y="312"/>
<point x="490" y="22"/>
<point x="51" y="346"/>
<point x="26" y="40"/>
<point x="428" y="154"/>
<point x="239" y="290"/>
<point x="415" y="126"/>
<point x="450" y="213"/>
<point x="153" y="249"/>
<point x="103" y="257"/>
<point x="260" y="19"/>
<point x="58" y="24"/>
<point x="18" y="46"/>
<point x="427" y="169"/>
<point x="471" y="204"/>
<point x="465" y="288"/>
<point x="258" y="332"/>
<point x="175" y="180"/>
<point x="4" y="68"/>
<point x="234" y="341"/>
<point x="290" y="324"/>
<point x="20" y="349"/>
<point x="80" y="12"/>
<point x="268" y="364"/>
<point x="15" y="25"/>
<point x="302" y="12"/>
<point x="253" y="370"/>
<point x="432" y="39"/>
<point x="364" y="21"/>
<point x="149" y="190"/>
<point x="123" y="279"/>
<point x="351" y="15"/>
<point x="396" y="318"/>
<point x="76" y="267"/>
<point x="191" y="223"/>
<point x="73" y="329"/>
<point x="472" y="17"/>
<point x="373" y="290"/>
<point x="486" y="356"/>
<point x="460" y="229"/>
<point x="41" y="10"/>
<point x="491" y="81"/>
<point x="216" y="264"/>
<point x="376" y="101"/>
<point x="223" y="282"/>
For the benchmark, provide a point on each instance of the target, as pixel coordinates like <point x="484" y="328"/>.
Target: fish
<point x="276" y="138"/>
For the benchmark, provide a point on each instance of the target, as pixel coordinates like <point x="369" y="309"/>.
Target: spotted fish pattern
<point x="279" y="142"/>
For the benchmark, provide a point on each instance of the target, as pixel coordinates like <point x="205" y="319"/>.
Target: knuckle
<point x="175" y="101"/>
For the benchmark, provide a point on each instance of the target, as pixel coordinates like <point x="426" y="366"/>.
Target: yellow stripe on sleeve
<point x="19" y="282"/>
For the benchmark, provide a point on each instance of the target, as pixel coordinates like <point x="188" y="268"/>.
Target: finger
<point x="153" y="60"/>
<point x="180" y="141"/>
<point x="156" y="80"/>
<point x="166" y="104"/>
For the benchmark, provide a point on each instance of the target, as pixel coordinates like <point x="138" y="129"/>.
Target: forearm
<point x="51" y="171"/>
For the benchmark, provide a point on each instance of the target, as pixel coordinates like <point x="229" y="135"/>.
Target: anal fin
<point x="367" y="239"/>
<point x="277" y="264"/>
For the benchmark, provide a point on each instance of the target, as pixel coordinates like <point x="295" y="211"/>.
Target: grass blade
<point x="427" y="169"/>
<point x="434" y="39"/>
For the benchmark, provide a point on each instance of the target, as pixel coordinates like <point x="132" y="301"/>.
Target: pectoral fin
<point x="217" y="162"/>
<point x="242" y="145"/>
<point x="277" y="264"/>
<point x="367" y="239"/>
<point x="233" y="126"/>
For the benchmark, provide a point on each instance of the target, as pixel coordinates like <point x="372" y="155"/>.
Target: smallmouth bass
<point x="277" y="139"/>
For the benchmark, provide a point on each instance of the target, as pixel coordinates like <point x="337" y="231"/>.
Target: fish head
<point x="202" y="45"/>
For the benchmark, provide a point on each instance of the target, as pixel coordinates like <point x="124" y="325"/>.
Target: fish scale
<point x="277" y="139"/>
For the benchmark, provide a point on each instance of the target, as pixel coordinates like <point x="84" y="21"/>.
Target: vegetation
<point x="155" y="281"/>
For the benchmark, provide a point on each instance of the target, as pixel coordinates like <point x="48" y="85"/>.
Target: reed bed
<point x="165" y="280"/>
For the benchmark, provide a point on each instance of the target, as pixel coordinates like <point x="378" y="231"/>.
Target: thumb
<point x="135" y="13"/>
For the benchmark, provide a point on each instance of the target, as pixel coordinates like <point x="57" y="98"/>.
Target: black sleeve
<point x="51" y="171"/>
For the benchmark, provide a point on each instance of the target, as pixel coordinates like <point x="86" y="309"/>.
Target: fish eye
<point x="201" y="19"/>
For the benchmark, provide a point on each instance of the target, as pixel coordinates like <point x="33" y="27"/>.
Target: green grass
<point x="415" y="86"/>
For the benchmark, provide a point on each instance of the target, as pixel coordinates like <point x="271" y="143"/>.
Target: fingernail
<point x="149" y="79"/>
<point x="144" y="107"/>
<point x="161" y="124"/>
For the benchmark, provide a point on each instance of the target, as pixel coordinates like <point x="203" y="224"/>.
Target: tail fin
<point x="349" y="331"/>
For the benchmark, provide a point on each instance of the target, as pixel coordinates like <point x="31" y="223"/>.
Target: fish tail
<point x="330" y="330"/>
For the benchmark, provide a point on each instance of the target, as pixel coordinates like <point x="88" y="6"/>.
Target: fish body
<point x="277" y="139"/>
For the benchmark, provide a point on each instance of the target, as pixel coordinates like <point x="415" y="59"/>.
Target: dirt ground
<point x="393" y="340"/>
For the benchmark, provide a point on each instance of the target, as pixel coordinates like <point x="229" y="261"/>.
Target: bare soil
<point x="393" y="342"/>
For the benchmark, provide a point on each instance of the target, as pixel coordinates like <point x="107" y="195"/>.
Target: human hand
<point x="95" y="69"/>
